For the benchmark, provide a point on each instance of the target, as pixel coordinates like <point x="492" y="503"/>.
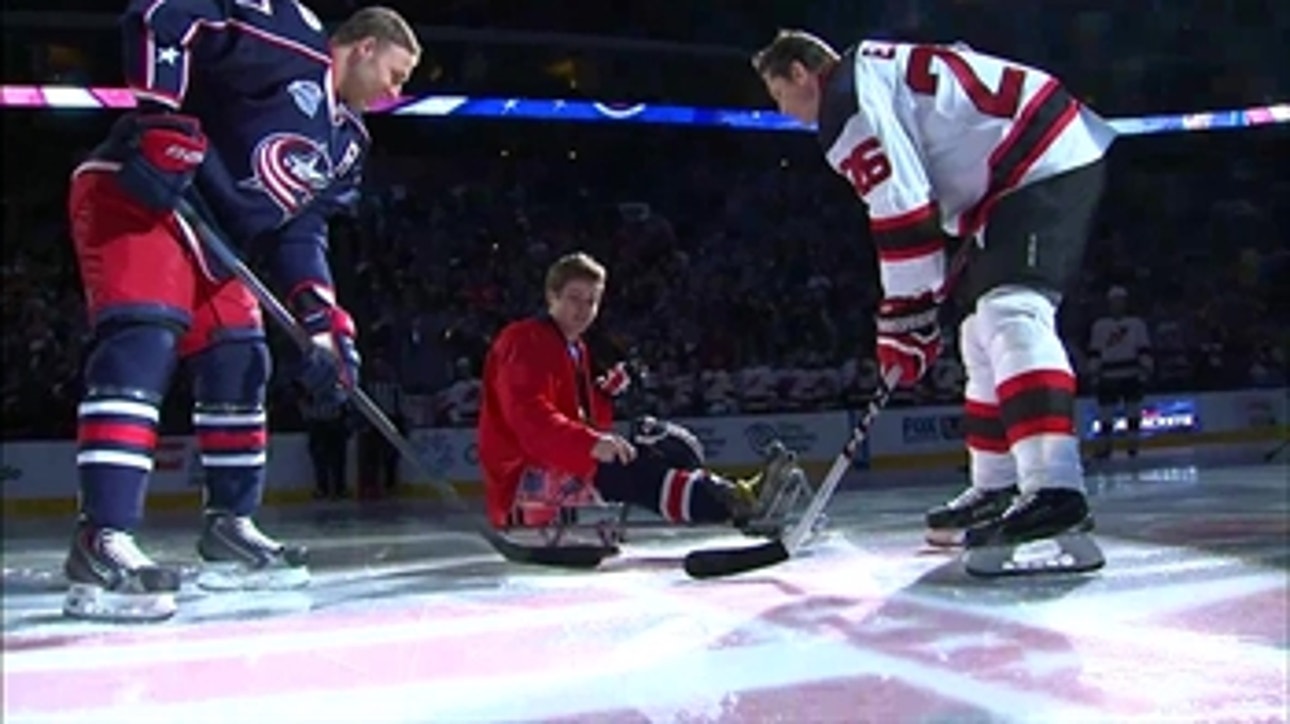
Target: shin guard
<point x="126" y="377"/>
<point x="1035" y="387"/>
<point x="229" y="381"/>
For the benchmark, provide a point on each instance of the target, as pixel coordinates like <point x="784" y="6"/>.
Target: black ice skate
<point x="946" y="523"/>
<point x="1041" y="532"/>
<point x="110" y="579"/>
<point x="761" y="504"/>
<point x="237" y="556"/>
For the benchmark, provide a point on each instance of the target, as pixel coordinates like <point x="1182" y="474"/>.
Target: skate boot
<point x="1045" y="531"/>
<point x="237" y="556"/>
<point x="946" y="523"/>
<point x="761" y="504"/>
<point x="110" y="579"/>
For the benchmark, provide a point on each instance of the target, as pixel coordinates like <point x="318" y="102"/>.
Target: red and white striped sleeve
<point x="158" y="39"/>
<point x="867" y="145"/>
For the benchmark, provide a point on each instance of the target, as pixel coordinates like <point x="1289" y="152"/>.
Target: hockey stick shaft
<point x="890" y="378"/>
<point x="797" y="535"/>
<point x="717" y="562"/>
<point x="213" y="241"/>
<point x="720" y="562"/>
<point x="846" y="458"/>
<point x="567" y="557"/>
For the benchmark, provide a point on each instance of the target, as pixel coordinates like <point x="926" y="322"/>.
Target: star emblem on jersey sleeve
<point x="168" y="55"/>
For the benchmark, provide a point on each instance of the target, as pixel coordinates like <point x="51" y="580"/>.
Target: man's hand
<point x="909" y="336"/>
<point x="613" y="448"/>
<point x="331" y="367"/>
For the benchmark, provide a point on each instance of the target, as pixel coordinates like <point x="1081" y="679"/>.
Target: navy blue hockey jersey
<point x="258" y="74"/>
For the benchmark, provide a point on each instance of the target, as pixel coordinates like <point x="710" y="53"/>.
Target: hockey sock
<point x="229" y="417"/>
<point x="990" y="462"/>
<point x="680" y="495"/>
<point x="126" y="376"/>
<point x="695" y="496"/>
<point x="1035" y="387"/>
<point x="991" y="466"/>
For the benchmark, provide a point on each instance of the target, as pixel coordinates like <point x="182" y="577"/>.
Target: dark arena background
<point x="742" y="278"/>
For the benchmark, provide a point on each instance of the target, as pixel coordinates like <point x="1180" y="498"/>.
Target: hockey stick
<point x="573" y="556"/>
<point x="718" y="562"/>
<point x="1272" y="454"/>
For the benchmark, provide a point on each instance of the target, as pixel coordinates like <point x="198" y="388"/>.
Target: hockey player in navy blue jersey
<point x="248" y="106"/>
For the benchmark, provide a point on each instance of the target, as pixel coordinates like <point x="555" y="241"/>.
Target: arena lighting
<point x="456" y="106"/>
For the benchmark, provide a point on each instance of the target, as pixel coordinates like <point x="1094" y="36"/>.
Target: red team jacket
<point x="537" y="387"/>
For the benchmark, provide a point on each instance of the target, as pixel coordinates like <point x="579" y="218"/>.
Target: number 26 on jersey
<point x="867" y="166"/>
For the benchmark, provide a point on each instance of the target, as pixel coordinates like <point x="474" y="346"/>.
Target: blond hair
<point x="569" y="267"/>
<point x="381" y="23"/>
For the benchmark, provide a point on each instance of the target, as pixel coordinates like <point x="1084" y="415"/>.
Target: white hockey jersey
<point x="932" y="135"/>
<point x="1120" y="347"/>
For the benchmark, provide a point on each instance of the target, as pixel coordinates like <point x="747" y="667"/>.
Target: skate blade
<point x="91" y="603"/>
<point x="1074" y="552"/>
<point x="944" y="537"/>
<point x="237" y="577"/>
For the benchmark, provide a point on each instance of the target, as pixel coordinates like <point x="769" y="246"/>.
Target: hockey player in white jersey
<point x="1120" y="360"/>
<point x="938" y="141"/>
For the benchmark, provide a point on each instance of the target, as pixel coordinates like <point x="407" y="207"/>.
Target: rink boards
<point x="39" y="478"/>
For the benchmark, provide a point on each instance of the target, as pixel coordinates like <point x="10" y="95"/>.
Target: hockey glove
<point x="330" y="368"/>
<point x="909" y="336"/>
<point x="159" y="154"/>
<point x="675" y="444"/>
<point x="615" y="380"/>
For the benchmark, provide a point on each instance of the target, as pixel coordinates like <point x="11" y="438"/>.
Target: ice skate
<point x="236" y="555"/>
<point x="1045" y="531"/>
<point x="946" y="523"/>
<point x="110" y="579"/>
<point x="763" y="502"/>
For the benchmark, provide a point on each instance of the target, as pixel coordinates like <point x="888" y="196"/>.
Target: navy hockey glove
<point x="160" y="154"/>
<point x="330" y="368"/>
<point x="909" y="336"/>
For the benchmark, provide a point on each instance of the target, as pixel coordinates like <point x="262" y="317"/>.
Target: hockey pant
<point x="151" y="304"/>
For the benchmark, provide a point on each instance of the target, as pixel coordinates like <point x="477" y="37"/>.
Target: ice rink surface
<point x="407" y="621"/>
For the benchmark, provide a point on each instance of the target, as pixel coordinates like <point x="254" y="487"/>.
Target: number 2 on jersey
<point x="1001" y="102"/>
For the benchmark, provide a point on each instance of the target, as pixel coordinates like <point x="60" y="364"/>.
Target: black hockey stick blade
<point x="718" y="562"/>
<point x="714" y="563"/>
<point x="579" y="557"/>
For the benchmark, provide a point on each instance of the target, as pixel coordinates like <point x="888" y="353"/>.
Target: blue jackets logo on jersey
<point x="291" y="169"/>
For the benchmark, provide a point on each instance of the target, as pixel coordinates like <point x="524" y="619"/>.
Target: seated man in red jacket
<point x="546" y="437"/>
